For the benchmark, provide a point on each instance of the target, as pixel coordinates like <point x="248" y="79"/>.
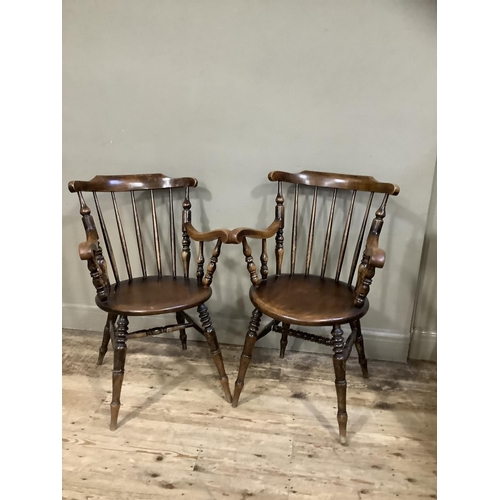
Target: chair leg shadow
<point x="355" y="422"/>
<point x="165" y="387"/>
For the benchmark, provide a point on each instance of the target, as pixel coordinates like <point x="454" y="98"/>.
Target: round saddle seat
<point x="154" y="295"/>
<point x="307" y="300"/>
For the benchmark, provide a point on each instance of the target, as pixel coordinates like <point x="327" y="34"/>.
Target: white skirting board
<point x="381" y="345"/>
<point x="423" y="345"/>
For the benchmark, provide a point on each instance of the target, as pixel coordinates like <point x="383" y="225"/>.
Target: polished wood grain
<point x="154" y="295"/>
<point x="306" y="300"/>
<point x="145" y="293"/>
<point x="234" y="235"/>
<point x="318" y="300"/>
<point x="176" y="440"/>
<point x="130" y="182"/>
<point x="335" y="180"/>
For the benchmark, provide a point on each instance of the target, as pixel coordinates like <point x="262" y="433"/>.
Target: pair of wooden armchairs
<point x="297" y="297"/>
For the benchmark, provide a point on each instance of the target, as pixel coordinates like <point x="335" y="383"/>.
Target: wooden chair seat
<point x="154" y="295"/>
<point x="307" y="300"/>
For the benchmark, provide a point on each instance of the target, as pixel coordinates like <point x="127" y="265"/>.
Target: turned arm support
<point x="373" y="258"/>
<point x="220" y="235"/>
<point x="91" y="251"/>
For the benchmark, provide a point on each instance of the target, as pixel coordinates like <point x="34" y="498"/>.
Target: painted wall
<point x="424" y="331"/>
<point x="226" y="91"/>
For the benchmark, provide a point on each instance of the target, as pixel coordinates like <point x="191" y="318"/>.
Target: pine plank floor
<point x="177" y="437"/>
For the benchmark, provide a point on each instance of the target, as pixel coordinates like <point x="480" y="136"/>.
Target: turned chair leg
<point x="120" y="352"/>
<point x="360" y="347"/>
<point x="340" y="381"/>
<point x="110" y="321"/>
<point x="213" y="344"/>
<point x="246" y="355"/>
<point x="284" y="339"/>
<point x="182" y="335"/>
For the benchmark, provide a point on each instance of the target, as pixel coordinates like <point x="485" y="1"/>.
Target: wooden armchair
<point x="302" y="298"/>
<point x="148" y="201"/>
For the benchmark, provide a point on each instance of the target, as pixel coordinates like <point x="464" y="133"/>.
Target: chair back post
<point x="186" y="242"/>
<point x="280" y="215"/>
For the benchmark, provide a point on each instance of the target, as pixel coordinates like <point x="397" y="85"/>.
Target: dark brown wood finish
<point x="153" y="291"/>
<point x="317" y="300"/>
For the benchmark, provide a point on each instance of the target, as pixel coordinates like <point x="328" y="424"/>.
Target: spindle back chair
<point x="299" y="297"/>
<point x="153" y="284"/>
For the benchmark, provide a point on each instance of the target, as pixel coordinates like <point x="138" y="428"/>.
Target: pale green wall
<point x="226" y="91"/>
<point x="424" y="331"/>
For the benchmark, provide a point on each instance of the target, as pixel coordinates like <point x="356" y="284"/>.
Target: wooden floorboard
<point x="177" y="437"/>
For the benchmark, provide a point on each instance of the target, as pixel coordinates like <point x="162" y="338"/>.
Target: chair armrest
<point x="237" y="235"/>
<point x="196" y="235"/>
<point x="373" y="258"/>
<point x="87" y="249"/>
<point x="91" y="251"/>
<point x="376" y="256"/>
<point x="233" y="236"/>
<point x="240" y="235"/>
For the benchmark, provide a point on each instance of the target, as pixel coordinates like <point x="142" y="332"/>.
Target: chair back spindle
<point x="310" y="239"/>
<point x="121" y="232"/>
<point x="107" y="240"/>
<point x="293" y="253"/>
<point x="172" y="233"/>
<point x="156" y="234"/>
<point x="359" y="243"/>
<point x="345" y="237"/>
<point x="138" y="235"/>
<point x="328" y="235"/>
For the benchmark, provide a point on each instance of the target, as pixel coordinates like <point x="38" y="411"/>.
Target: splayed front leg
<point x="120" y="353"/>
<point x="340" y="381"/>
<point x="246" y="355"/>
<point x="213" y="344"/>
